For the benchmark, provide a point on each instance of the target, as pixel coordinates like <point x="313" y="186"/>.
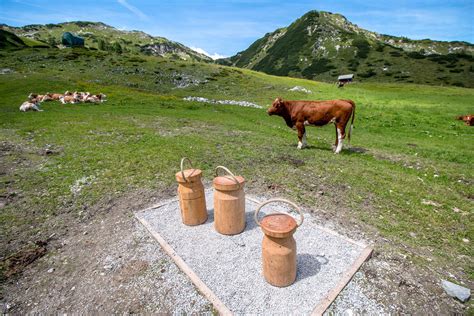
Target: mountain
<point x="101" y="36"/>
<point x="322" y="45"/>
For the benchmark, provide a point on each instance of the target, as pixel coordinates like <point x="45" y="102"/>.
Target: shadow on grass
<point x="355" y="150"/>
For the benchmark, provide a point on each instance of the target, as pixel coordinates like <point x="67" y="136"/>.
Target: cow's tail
<point x="352" y="121"/>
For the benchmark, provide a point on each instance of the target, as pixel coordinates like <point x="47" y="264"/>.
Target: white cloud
<point x="202" y="51"/>
<point x="133" y="9"/>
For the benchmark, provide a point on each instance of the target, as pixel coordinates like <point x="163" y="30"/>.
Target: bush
<point x="416" y="55"/>
<point x="363" y="47"/>
<point x="368" y="74"/>
<point x="318" y="66"/>
<point x="395" y="54"/>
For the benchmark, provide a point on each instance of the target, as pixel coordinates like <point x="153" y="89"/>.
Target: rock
<point x="348" y="312"/>
<point x="226" y="102"/>
<point x="461" y="293"/>
<point x="108" y="267"/>
<point x="51" y="270"/>
<point x="428" y="202"/>
<point x="300" y="89"/>
<point x="456" y="210"/>
<point x="465" y="240"/>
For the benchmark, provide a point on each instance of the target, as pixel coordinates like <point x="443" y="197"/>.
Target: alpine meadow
<point x="72" y="175"/>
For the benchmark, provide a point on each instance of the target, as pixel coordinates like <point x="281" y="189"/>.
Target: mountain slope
<point x="10" y="40"/>
<point x="322" y="45"/>
<point x="105" y="37"/>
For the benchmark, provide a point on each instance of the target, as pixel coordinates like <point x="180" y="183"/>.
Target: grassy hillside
<point x="105" y="37"/>
<point x="408" y="177"/>
<point x="322" y="45"/>
<point x="9" y="40"/>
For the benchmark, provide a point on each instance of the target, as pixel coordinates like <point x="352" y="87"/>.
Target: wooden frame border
<point x="320" y="308"/>
<point x="207" y="292"/>
<point x="331" y="296"/>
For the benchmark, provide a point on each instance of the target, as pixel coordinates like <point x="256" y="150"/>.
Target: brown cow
<point x="468" y="119"/>
<point x="298" y="114"/>
<point x="53" y="96"/>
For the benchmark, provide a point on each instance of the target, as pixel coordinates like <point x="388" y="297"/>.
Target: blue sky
<point x="226" y="27"/>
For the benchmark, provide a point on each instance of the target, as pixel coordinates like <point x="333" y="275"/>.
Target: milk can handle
<point x="229" y="173"/>
<point x="278" y="200"/>
<point x="182" y="164"/>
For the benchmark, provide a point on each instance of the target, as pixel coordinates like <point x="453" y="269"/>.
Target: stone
<point x="461" y="293"/>
<point x="108" y="267"/>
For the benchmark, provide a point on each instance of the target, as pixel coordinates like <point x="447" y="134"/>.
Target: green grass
<point x="412" y="148"/>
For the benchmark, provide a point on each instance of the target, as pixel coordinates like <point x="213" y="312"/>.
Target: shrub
<point x="416" y="55"/>
<point x="363" y="47"/>
<point x="395" y="54"/>
<point x="318" y="66"/>
<point x="368" y="74"/>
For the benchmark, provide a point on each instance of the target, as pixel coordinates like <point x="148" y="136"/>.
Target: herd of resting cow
<point x="34" y="99"/>
<point x="297" y="114"/>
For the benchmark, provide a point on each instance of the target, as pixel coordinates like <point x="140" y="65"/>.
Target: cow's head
<point x="276" y="108"/>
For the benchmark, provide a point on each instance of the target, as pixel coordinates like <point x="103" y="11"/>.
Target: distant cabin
<point x="71" y="40"/>
<point x="343" y="79"/>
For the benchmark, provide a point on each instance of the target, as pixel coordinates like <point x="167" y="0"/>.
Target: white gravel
<point x="231" y="265"/>
<point x="226" y="102"/>
<point x="353" y="301"/>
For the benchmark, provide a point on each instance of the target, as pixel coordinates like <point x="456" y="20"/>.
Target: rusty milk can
<point x="229" y="203"/>
<point x="278" y="245"/>
<point x="192" y="200"/>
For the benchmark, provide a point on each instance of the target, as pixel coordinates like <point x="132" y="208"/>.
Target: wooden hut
<point x="345" y="78"/>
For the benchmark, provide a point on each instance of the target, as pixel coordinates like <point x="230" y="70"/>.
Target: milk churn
<point x="229" y="203"/>
<point x="278" y="245"/>
<point x="192" y="200"/>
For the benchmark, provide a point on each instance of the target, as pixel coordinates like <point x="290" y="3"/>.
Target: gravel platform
<point x="230" y="266"/>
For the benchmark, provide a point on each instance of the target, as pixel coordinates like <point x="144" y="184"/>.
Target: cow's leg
<point x="337" y="137"/>
<point x="340" y="136"/>
<point x="301" y="135"/>
<point x="304" y="140"/>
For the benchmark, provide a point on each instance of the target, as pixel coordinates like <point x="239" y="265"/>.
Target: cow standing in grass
<point x="298" y="114"/>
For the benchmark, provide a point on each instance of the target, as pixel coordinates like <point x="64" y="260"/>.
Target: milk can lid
<point x="190" y="175"/>
<point x="227" y="183"/>
<point x="278" y="225"/>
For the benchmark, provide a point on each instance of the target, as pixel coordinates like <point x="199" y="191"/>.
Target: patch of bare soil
<point x="17" y="262"/>
<point x="109" y="264"/>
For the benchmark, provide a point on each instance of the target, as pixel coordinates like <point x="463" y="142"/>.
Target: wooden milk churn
<point x="192" y="200"/>
<point x="278" y="245"/>
<point x="229" y="203"/>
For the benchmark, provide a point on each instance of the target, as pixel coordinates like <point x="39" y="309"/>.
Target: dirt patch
<point x="17" y="262"/>
<point x="106" y="264"/>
